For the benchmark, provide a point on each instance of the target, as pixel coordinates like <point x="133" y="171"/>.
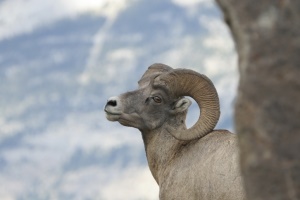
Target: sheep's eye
<point x="157" y="99"/>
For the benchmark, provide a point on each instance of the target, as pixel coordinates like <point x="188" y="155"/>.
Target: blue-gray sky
<point x="59" y="62"/>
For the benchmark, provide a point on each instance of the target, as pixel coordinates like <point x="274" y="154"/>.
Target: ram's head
<point x="160" y="102"/>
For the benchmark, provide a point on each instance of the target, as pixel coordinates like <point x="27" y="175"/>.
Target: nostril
<point x="112" y="103"/>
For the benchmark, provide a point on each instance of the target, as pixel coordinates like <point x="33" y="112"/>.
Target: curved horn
<point x="152" y="71"/>
<point x="184" y="82"/>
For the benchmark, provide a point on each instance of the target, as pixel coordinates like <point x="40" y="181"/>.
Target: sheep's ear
<point x="181" y="105"/>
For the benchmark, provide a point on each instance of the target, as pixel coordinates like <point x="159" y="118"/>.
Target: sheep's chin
<point x="131" y="120"/>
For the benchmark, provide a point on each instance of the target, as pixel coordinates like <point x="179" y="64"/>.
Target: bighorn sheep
<point x="195" y="163"/>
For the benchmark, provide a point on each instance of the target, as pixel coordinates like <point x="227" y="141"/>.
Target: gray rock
<point x="267" y="110"/>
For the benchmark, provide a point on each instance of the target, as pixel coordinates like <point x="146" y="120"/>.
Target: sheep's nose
<point x="113" y="106"/>
<point x="111" y="103"/>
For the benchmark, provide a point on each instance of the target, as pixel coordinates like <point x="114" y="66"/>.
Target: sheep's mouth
<point x="111" y="113"/>
<point x="111" y="116"/>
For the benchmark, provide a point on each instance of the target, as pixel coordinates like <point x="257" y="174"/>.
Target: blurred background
<point x="60" y="60"/>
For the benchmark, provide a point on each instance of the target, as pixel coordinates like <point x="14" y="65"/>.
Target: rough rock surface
<point x="267" y="112"/>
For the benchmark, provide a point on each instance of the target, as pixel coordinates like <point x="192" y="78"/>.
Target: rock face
<point x="267" y="111"/>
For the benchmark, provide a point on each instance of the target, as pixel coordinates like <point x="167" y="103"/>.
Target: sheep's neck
<point x="161" y="148"/>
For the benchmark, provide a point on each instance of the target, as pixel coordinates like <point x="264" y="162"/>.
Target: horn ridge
<point x="185" y="82"/>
